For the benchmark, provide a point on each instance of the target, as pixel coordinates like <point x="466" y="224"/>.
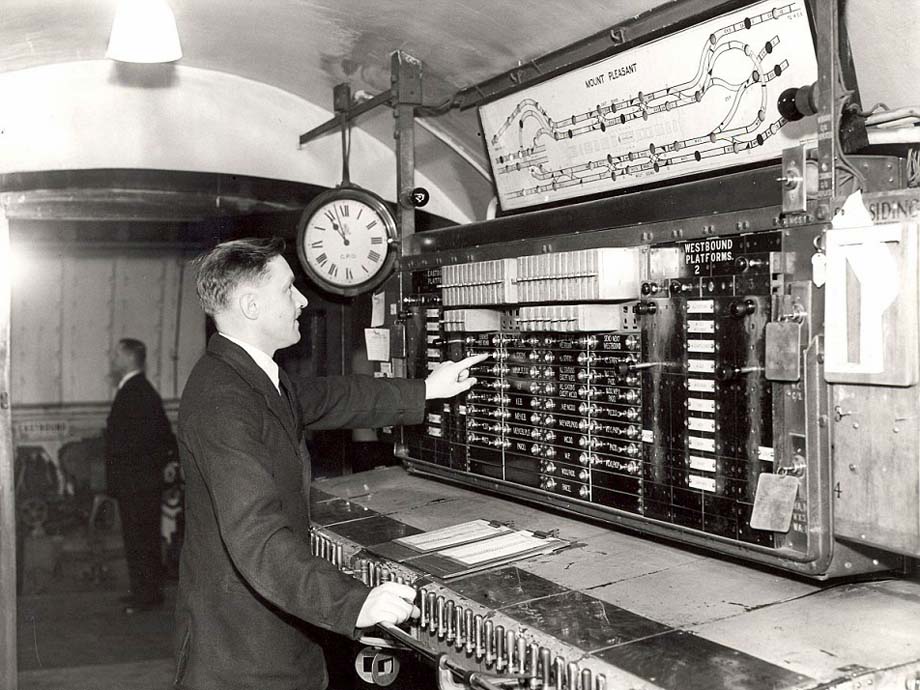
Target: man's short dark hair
<point x="223" y="268"/>
<point x="136" y="349"/>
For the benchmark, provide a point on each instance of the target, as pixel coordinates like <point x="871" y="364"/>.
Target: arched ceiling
<point x="305" y="47"/>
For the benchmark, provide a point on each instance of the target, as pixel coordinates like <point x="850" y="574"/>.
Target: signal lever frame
<point x="447" y="670"/>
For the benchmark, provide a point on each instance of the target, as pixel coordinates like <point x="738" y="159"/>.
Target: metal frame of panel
<point x="822" y="556"/>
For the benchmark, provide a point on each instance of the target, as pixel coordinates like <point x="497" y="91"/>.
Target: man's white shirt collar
<point x="262" y="359"/>
<point x="124" y="379"/>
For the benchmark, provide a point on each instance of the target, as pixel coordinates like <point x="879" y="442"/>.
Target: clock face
<point x="344" y="241"/>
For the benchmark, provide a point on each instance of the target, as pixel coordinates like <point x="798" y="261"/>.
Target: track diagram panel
<point x="698" y="100"/>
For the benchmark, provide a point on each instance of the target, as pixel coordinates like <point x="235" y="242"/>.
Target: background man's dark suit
<point x="248" y="585"/>
<point x="139" y="441"/>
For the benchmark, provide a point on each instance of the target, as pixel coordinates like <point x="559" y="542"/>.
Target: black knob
<point x="623" y="368"/>
<point x="649" y="288"/>
<point x="646" y="308"/>
<point x="796" y="103"/>
<point x="741" y="263"/>
<point x="785" y="104"/>
<point x="726" y="372"/>
<point x="741" y="309"/>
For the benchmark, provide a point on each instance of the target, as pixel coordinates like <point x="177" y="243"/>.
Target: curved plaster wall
<point x="82" y="115"/>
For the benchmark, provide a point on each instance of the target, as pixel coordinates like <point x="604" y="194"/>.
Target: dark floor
<point x="73" y="635"/>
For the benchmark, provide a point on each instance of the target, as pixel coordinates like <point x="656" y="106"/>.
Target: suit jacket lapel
<point x="244" y="365"/>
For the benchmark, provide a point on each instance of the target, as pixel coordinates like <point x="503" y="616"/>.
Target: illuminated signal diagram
<point x="741" y="127"/>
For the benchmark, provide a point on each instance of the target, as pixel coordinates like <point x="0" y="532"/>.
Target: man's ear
<point x="249" y="305"/>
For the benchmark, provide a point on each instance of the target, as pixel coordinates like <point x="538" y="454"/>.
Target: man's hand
<point x="452" y="378"/>
<point x="390" y="602"/>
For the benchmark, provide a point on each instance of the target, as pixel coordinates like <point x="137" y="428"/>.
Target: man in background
<point x="138" y="443"/>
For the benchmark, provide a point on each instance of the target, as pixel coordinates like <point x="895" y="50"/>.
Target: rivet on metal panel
<point x="677" y="232"/>
<point x="647" y="236"/>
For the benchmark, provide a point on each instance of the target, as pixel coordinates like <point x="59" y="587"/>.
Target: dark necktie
<point x="288" y="400"/>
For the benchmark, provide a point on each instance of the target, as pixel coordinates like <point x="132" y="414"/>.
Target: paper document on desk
<point x="500" y="547"/>
<point x="454" y="535"/>
<point x="467" y="547"/>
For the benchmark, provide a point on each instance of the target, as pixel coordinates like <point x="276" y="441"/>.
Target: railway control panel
<point x="674" y="388"/>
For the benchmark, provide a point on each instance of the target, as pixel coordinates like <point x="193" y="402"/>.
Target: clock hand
<point x="339" y="228"/>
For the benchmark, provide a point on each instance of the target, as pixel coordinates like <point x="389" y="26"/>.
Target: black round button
<point x="419" y="197"/>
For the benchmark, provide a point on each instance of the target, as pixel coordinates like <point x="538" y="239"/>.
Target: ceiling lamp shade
<point x="144" y="31"/>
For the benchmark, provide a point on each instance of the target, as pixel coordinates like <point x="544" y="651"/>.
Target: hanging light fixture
<point x="144" y="31"/>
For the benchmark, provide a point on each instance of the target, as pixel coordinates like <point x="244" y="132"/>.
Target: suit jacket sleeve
<point x="350" y="402"/>
<point x="236" y="465"/>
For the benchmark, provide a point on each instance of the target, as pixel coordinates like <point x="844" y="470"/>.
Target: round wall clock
<point x="346" y="240"/>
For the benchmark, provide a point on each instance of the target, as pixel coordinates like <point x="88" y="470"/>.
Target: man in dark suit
<point x="138" y="442"/>
<point x="251" y="594"/>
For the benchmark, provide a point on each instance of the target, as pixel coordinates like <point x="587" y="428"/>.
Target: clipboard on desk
<point x="467" y="548"/>
<point x="407" y="548"/>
